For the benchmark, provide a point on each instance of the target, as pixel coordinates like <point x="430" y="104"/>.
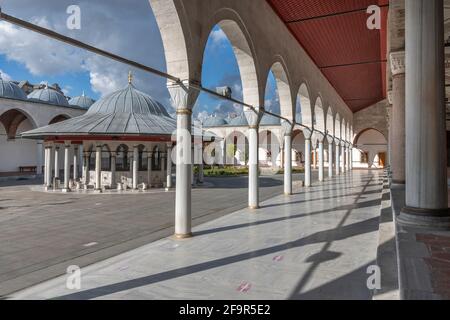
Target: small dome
<point x="49" y="96"/>
<point x="269" y="120"/>
<point x="9" y="89"/>
<point x="215" y="122"/>
<point x="239" y="121"/>
<point x="128" y="100"/>
<point x="82" y="101"/>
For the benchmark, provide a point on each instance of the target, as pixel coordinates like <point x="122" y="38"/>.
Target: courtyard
<point x="43" y="233"/>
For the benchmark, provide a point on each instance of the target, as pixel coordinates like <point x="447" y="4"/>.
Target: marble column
<point x="253" y="118"/>
<point x="321" y="159"/>
<point x="149" y="169"/>
<point x="426" y="165"/>
<point x="45" y="166"/>
<point x="113" y="170"/>
<point x="98" y="168"/>
<point x="193" y="180"/>
<point x="343" y="157"/>
<point x="183" y="99"/>
<point x="338" y="156"/>
<point x="286" y="131"/>
<point x="347" y="150"/>
<point x="86" y="169"/>
<point x="253" y="182"/>
<point x="66" y="168"/>
<point x="48" y="167"/>
<point x="39" y="150"/>
<point x="397" y="60"/>
<point x="389" y="124"/>
<point x="135" y="167"/>
<point x="75" y="162"/>
<point x="56" y="162"/>
<point x="330" y="156"/>
<point x="169" y="168"/>
<point x="307" y="135"/>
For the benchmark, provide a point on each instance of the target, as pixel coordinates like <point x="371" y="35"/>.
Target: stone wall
<point x="372" y="117"/>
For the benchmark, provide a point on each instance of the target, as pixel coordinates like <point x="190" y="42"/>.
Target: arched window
<point x="91" y="158"/>
<point x="156" y="159"/>
<point x="106" y="158"/>
<point x="142" y="158"/>
<point x="122" y="160"/>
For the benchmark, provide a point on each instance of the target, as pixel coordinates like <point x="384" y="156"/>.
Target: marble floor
<point x="315" y="244"/>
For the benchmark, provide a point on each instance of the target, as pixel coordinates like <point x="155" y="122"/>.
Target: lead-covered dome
<point x="9" y="89"/>
<point x="270" y="120"/>
<point x="215" y="121"/>
<point x="239" y="121"/>
<point x="50" y="96"/>
<point x="82" y="102"/>
<point x="128" y="100"/>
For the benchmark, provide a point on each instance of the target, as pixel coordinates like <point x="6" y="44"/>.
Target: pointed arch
<point x="337" y="126"/>
<point x="319" y="115"/>
<point x="279" y="71"/>
<point x="304" y="105"/>
<point x="330" y="122"/>
<point x="12" y="119"/>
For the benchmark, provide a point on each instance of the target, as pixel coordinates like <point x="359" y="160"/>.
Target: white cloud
<point x="5" y="76"/>
<point x="218" y="37"/>
<point x="126" y="28"/>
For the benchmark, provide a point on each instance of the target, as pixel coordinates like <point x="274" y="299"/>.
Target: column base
<point x="425" y="218"/>
<point x="168" y="189"/>
<point x="98" y="190"/>
<point x="288" y="193"/>
<point x="183" y="236"/>
<point x="253" y="207"/>
<point x="66" y="190"/>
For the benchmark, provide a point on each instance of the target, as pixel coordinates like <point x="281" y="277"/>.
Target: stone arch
<point x="236" y="32"/>
<point x="59" y="118"/>
<point x="330" y="122"/>
<point x="355" y="140"/>
<point x="12" y="119"/>
<point x="303" y="97"/>
<point x="337" y="126"/>
<point x="319" y="115"/>
<point x="174" y="36"/>
<point x="282" y="80"/>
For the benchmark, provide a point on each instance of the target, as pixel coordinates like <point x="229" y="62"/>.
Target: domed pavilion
<point x="125" y="140"/>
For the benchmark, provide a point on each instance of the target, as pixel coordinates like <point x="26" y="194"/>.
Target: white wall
<point x="19" y="152"/>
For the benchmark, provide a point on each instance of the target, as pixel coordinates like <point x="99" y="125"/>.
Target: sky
<point x="127" y="28"/>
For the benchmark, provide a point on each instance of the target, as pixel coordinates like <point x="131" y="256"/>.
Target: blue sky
<point x="120" y="27"/>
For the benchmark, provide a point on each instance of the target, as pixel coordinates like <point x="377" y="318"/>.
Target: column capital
<point x="286" y="128"/>
<point x="397" y="62"/>
<point x="183" y="96"/>
<point x="253" y="116"/>
<point x="307" y="133"/>
<point x="330" y="139"/>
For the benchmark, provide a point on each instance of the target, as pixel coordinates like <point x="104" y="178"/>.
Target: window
<point x="122" y="160"/>
<point x="142" y="158"/>
<point x="91" y="158"/>
<point x="106" y="158"/>
<point x="156" y="159"/>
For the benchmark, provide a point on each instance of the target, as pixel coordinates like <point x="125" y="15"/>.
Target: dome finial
<point x="130" y="77"/>
<point x="83" y="95"/>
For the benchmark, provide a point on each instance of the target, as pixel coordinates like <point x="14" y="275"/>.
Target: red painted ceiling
<point x="335" y="35"/>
